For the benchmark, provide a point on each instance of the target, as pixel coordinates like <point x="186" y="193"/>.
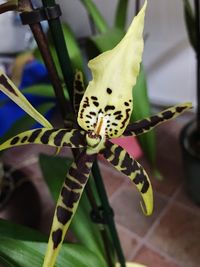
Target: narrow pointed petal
<point x="122" y="161"/>
<point x="145" y="125"/>
<point x="53" y="137"/>
<point x="67" y="204"/>
<point x="8" y="88"/>
<point x="79" y="90"/>
<point x="114" y="75"/>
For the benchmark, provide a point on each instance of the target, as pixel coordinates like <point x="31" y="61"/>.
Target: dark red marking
<point x="6" y="84"/>
<point x="63" y="215"/>
<point x="56" y="238"/>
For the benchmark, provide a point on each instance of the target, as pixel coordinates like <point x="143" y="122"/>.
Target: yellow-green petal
<point x="114" y="75"/>
<point x="8" y="88"/>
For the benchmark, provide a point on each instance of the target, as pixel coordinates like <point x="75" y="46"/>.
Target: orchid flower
<point x="103" y="112"/>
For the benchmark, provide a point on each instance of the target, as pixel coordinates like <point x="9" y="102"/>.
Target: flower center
<point x="100" y="128"/>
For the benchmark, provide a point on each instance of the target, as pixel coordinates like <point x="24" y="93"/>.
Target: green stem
<point x="108" y="214"/>
<point x="48" y="60"/>
<point x="121" y="14"/>
<point x="61" y="49"/>
<point x="96" y="16"/>
<point x="137" y="6"/>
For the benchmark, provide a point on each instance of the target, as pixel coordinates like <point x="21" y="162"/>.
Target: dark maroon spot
<point x="108" y="107"/>
<point x="126" y="118"/>
<point x="109" y="91"/>
<point x="15" y="140"/>
<point x="6" y="84"/>
<point x="167" y="114"/>
<point x="59" y="137"/>
<point x="119" y="117"/>
<point x="180" y="109"/>
<point x="117" y="112"/>
<point x="126" y="104"/>
<point x="24" y="139"/>
<point x="34" y="135"/>
<point x="92" y="113"/>
<point x="96" y="104"/>
<point x="46" y="135"/>
<point x="63" y="215"/>
<point x="72" y="184"/>
<point x="56" y="238"/>
<point x="88" y="116"/>
<point x="114" y="124"/>
<point x="69" y="197"/>
<point x="94" y="98"/>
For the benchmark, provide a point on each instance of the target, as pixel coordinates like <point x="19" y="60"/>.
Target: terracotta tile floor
<point x="171" y="236"/>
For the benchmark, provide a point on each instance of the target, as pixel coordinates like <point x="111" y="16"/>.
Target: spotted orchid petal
<point x="8" y="88"/>
<point x="67" y="204"/>
<point x="145" y="125"/>
<point x="79" y="90"/>
<point x="107" y="103"/>
<point x="53" y="137"/>
<point x="122" y="161"/>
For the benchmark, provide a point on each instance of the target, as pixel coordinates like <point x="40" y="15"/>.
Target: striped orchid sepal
<point x="104" y="110"/>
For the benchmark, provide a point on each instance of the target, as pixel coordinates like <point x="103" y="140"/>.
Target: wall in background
<point x="169" y="60"/>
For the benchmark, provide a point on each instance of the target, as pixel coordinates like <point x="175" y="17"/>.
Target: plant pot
<point x="190" y="145"/>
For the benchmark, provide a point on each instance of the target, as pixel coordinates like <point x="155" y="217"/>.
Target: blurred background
<point x="169" y="238"/>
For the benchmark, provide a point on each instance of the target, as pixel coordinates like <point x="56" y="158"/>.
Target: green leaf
<point x="26" y="253"/>
<point x="96" y="16"/>
<point x="54" y="170"/>
<point x="26" y="122"/>
<point x="15" y="231"/>
<point x="121" y="14"/>
<point x="42" y="90"/>
<point x="190" y="23"/>
<point x="102" y="42"/>
<point x="142" y="110"/>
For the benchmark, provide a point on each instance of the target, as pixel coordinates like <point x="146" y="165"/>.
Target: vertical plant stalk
<point x="48" y="60"/>
<point x="108" y="213"/>
<point x="137" y="6"/>
<point x="197" y="23"/>
<point x="61" y="49"/>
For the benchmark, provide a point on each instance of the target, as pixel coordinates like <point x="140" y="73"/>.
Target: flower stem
<point x="48" y="60"/>
<point x="108" y="214"/>
<point x="137" y="6"/>
<point x="61" y="49"/>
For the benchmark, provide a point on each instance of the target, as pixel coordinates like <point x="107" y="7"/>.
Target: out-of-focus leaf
<point x="26" y="122"/>
<point x="96" y="16"/>
<point x="142" y="110"/>
<point x="54" y="170"/>
<point x="43" y="90"/>
<point x="190" y="23"/>
<point x="26" y="253"/>
<point x="15" y="231"/>
<point x="121" y="14"/>
<point x="100" y="43"/>
<point x="73" y="49"/>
